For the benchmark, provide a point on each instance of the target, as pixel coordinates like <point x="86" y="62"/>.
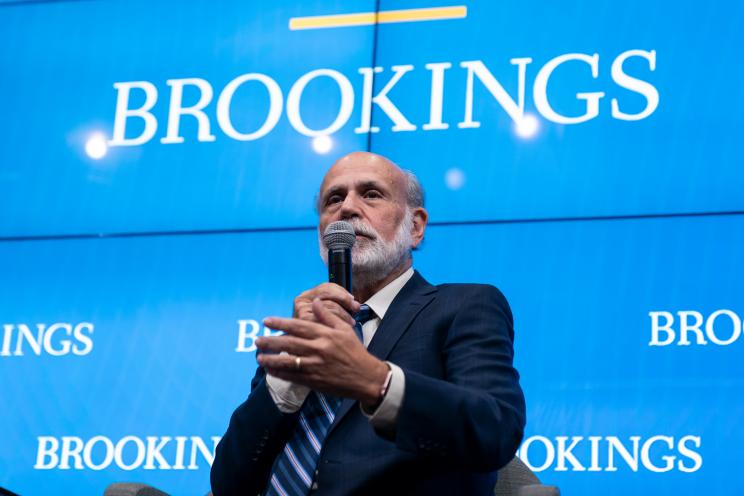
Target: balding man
<point x="424" y="401"/>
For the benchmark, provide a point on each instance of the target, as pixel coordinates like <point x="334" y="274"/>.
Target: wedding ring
<point x="298" y="363"/>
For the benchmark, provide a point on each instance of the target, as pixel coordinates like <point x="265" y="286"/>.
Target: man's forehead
<point x="369" y="168"/>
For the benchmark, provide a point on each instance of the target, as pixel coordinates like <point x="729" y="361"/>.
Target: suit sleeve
<point x="475" y="417"/>
<point x="256" y="434"/>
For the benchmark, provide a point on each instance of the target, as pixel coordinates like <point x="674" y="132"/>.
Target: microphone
<point x="339" y="237"/>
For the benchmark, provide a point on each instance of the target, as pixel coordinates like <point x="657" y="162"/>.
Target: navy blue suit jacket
<point x="462" y="416"/>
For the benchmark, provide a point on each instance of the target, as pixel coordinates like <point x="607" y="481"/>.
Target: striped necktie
<point x="294" y="469"/>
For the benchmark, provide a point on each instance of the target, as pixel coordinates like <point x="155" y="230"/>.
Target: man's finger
<point x="334" y="292"/>
<point x="337" y="310"/>
<point x="287" y="363"/>
<point x="306" y="312"/>
<point x="296" y="327"/>
<point x="290" y="344"/>
<point x="327" y="317"/>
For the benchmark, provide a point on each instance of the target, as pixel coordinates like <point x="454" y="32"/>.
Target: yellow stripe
<point x="434" y="14"/>
<point x="383" y="17"/>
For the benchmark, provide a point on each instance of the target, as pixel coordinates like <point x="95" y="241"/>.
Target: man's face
<point x="370" y="192"/>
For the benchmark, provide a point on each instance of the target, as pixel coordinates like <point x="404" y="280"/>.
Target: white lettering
<point x="295" y="94"/>
<point x="88" y="453"/>
<point x="594" y="441"/>
<point x="692" y="321"/>
<point x="690" y="454"/>
<point x="66" y="344"/>
<point x="176" y="109"/>
<point x="71" y="448"/>
<point x="614" y="444"/>
<point x="119" y="453"/>
<point x="244" y="335"/>
<point x="248" y="330"/>
<point x="400" y="123"/>
<point x="368" y="74"/>
<point x="47" y="339"/>
<point x="549" y="453"/>
<point x="34" y="341"/>
<point x="46" y="453"/>
<point x="515" y="110"/>
<point x="638" y="454"/>
<point x="564" y="453"/>
<point x="540" y="90"/>
<point x="154" y="446"/>
<point x="123" y="112"/>
<point x="7" y="335"/>
<point x="81" y="337"/>
<point x="197" y="444"/>
<point x="180" y="451"/>
<point x="710" y="330"/>
<point x="685" y="327"/>
<point x="128" y="453"/>
<point x="635" y="85"/>
<point x="513" y="106"/>
<point x="646" y="459"/>
<point x="437" y="96"/>
<point x="276" y="101"/>
<point x="656" y="328"/>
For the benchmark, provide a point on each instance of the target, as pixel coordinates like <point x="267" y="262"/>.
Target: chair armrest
<point x="538" y="490"/>
<point x="132" y="489"/>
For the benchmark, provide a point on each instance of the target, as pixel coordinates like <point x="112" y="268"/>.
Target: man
<point x="424" y="401"/>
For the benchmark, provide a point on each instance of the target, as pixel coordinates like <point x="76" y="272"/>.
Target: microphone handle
<point x="339" y="268"/>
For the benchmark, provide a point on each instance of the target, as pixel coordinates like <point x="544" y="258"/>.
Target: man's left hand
<point x="326" y="356"/>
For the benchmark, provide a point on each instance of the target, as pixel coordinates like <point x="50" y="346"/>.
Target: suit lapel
<point x="414" y="296"/>
<point x="407" y="304"/>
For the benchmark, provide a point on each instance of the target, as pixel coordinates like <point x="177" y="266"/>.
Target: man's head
<point x="386" y="207"/>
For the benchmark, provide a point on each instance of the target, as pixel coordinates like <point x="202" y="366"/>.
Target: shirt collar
<point x="380" y="301"/>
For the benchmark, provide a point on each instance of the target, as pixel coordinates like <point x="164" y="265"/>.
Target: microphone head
<point x="339" y="235"/>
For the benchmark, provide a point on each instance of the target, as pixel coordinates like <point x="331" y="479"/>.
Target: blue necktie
<point x="294" y="468"/>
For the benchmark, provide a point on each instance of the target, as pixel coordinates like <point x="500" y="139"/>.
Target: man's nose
<point x="350" y="208"/>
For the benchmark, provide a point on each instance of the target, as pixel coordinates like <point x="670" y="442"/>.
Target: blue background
<point x="586" y="228"/>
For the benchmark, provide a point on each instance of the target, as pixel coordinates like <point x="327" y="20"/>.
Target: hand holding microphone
<point x="322" y="349"/>
<point x="335" y="295"/>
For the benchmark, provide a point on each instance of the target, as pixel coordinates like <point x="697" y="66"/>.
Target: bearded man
<point x="400" y="388"/>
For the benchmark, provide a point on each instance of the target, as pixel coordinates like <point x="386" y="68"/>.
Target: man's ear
<point x="420" y="218"/>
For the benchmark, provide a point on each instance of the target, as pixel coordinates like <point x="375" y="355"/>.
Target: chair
<point x="132" y="489"/>
<point x="516" y="479"/>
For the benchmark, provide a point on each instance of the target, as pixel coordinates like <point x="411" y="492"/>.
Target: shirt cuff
<point x="385" y="416"/>
<point x="288" y="396"/>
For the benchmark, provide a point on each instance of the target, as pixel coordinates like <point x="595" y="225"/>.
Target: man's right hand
<point x="335" y="298"/>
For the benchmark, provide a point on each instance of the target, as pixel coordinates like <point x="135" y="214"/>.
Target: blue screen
<point x="159" y="167"/>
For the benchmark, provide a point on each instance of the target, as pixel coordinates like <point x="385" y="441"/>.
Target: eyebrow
<point x="332" y="191"/>
<point x="364" y="185"/>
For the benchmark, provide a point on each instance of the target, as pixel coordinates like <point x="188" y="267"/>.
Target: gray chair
<point x="132" y="489"/>
<point x="516" y="479"/>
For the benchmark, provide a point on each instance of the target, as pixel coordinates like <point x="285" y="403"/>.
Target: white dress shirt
<point x="289" y="396"/>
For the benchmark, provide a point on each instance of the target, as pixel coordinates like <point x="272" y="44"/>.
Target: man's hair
<point x="415" y="196"/>
<point x="414" y="191"/>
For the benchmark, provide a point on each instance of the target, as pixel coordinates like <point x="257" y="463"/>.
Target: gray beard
<point x="372" y="260"/>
